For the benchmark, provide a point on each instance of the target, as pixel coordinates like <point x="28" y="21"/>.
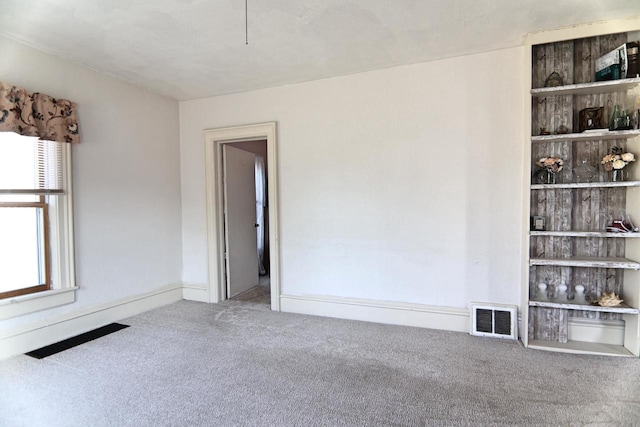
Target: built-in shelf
<point x="595" y="262"/>
<point x="588" y="88"/>
<point x="599" y="135"/>
<point x="622" y="308"/>
<point x="586" y="185"/>
<point x="593" y="233"/>
<point x="580" y="347"/>
<point x="577" y="211"/>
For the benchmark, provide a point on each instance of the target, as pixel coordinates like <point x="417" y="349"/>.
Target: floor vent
<point x="58" y="347"/>
<point x="494" y="320"/>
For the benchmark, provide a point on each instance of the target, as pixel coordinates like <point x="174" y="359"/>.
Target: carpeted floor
<point x="236" y="363"/>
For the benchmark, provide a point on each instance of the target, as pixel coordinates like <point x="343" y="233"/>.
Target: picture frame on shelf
<point x="538" y="223"/>
<point x="590" y="119"/>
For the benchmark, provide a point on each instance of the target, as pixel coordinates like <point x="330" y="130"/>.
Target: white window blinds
<point x="30" y="166"/>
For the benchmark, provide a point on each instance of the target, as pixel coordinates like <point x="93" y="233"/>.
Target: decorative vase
<point x="551" y="177"/>
<point x="618" y="175"/>
<point x="616" y="118"/>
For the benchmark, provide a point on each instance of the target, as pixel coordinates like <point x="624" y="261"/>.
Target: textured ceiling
<point x="196" y="48"/>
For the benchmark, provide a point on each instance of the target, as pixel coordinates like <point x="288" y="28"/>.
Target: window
<point x="24" y="245"/>
<point x="36" y="247"/>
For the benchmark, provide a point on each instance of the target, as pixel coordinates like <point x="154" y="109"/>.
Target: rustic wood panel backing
<point x="587" y="50"/>
<point x="595" y="209"/>
<point x="592" y="152"/>
<point x="548" y="324"/>
<point x="556" y="206"/>
<point x="553" y="111"/>
<point x="551" y="57"/>
<point x="562" y="149"/>
<point x="608" y="101"/>
<point x="596" y="281"/>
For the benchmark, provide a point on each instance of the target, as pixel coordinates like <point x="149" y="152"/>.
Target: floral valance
<point x="36" y="114"/>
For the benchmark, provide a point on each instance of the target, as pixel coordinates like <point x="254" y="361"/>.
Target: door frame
<point x="214" y="139"/>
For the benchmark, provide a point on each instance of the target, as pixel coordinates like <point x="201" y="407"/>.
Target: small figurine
<point x="542" y="293"/>
<point x="554" y="80"/>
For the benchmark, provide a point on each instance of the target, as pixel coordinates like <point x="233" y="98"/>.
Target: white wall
<point x="403" y="184"/>
<point x="126" y="179"/>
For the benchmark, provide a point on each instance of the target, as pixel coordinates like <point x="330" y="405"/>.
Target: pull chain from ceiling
<point x="246" y="23"/>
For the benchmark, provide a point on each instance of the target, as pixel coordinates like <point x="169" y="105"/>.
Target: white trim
<point x="68" y="267"/>
<point x="583" y="30"/>
<point x="30" y="303"/>
<point x="526" y="196"/>
<point x="195" y="292"/>
<point x="213" y="140"/>
<point x="389" y="312"/>
<point x="61" y="220"/>
<point x="49" y="331"/>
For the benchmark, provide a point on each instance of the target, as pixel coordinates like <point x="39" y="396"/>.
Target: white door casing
<point x="214" y="140"/>
<point x="240" y="220"/>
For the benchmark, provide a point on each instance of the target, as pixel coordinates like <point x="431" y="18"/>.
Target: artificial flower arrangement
<point x="551" y="164"/>
<point x="617" y="159"/>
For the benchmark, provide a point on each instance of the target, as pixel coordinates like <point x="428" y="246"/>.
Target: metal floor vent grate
<point x="494" y="320"/>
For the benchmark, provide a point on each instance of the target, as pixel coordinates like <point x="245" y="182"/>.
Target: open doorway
<point x="245" y="169"/>
<point x="248" y="143"/>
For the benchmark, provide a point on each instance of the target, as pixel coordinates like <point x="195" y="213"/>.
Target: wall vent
<point x="494" y="320"/>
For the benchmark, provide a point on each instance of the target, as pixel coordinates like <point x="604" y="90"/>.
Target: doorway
<point x="239" y="147"/>
<point x="246" y="218"/>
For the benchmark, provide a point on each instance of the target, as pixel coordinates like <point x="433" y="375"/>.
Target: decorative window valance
<point x="36" y="114"/>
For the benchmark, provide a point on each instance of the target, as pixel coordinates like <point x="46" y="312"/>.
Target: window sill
<point x="25" y="304"/>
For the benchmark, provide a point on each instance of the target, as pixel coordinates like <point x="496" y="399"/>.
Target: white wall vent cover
<point x="494" y="320"/>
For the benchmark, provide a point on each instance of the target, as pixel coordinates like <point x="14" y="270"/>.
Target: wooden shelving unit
<point x="586" y="185"/>
<point x="600" y="135"/>
<point x="622" y="308"/>
<point x="591" y="233"/>
<point x="592" y="88"/>
<point x="587" y="262"/>
<point x="577" y="249"/>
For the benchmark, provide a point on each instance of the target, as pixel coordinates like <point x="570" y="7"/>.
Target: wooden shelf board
<point x="622" y="308"/>
<point x="580" y="347"/>
<point x="586" y="185"/>
<point x="588" y="136"/>
<point x="595" y="262"/>
<point x="588" y="88"/>
<point x="593" y="233"/>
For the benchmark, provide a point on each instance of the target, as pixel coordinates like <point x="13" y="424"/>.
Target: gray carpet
<point x="192" y="364"/>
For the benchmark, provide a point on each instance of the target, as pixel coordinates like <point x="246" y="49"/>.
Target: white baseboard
<point x="601" y="331"/>
<point x="49" y="331"/>
<point x="433" y="317"/>
<point x="394" y="313"/>
<point x="196" y="292"/>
